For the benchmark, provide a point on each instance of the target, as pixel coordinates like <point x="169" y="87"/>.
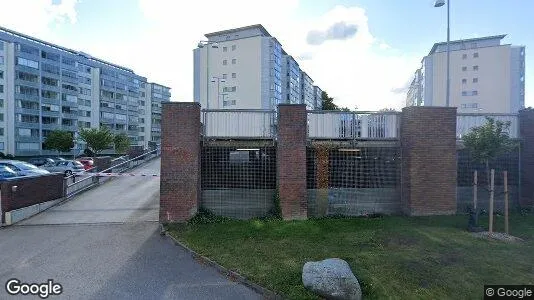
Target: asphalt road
<point x="105" y="244"/>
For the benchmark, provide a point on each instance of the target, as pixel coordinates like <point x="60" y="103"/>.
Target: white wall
<point x="493" y="75"/>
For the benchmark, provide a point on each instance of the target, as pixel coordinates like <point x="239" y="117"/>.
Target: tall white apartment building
<point x="318" y="93"/>
<point x="46" y="87"/>
<point x="485" y="76"/>
<point x="244" y="68"/>
<point x="307" y="90"/>
<point x="151" y="97"/>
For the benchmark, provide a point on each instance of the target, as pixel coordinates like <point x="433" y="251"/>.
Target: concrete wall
<point x="30" y="191"/>
<point x="238" y="203"/>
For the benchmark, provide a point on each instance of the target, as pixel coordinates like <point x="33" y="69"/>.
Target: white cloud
<point x="34" y="17"/>
<point x="356" y="71"/>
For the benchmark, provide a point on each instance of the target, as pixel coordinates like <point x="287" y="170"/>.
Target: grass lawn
<point x="392" y="257"/>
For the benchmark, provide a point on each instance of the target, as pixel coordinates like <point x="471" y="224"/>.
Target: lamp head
<point x="439" y="3"/>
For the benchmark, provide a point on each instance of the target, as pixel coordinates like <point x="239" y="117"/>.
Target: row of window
<point x="475" y="80"/>
<point x="225" y="76"/>
<point x="475" y="55"/>
<point x="475" y="68"/>
<point x="225" y="49"/>
<point x="469" y="105"/>
<point x="469" y="93"/>
<point x="225" y="62"/>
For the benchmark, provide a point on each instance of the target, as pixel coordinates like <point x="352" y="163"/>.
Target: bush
<point x="206" y="216"/>
<point x="275" y="213"/>
<point x="10" y="156"/>
<point x="2" y="155"/>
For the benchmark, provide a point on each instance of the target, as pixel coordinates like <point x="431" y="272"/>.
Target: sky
<point x="362" y="52"/>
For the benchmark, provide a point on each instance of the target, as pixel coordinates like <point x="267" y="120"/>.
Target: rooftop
<point x="500" y="37"/>
<point x="256" y="26"/>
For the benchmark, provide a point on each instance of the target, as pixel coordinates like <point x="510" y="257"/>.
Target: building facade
<point x="152" y="95"/>
<point x="46" y="87"/>
<point x="318" y="97"/>
<point x="485" y="76"/>
<point x="244" y="68"/>
<point x="307" y="91"/>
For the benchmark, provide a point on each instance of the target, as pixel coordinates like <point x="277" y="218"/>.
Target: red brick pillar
<point x="291" y="160"/>
<point x="428" y="146"/>
<point x="526" y="133"/>
<point x="180" y="161"/>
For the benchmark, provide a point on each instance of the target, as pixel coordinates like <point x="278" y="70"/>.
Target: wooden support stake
<point x="506" y="202"/>
<point x="475" y="191"/>
<point x="492" y="181"/>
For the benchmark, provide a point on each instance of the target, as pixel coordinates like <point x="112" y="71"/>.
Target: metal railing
<point x="353" y="125"/>
<point x="242" y="123"/>
<point x="75" y="184"/>
<point x="466" y="121"/>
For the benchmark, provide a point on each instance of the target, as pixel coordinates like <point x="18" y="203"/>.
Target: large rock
<point x="332" y="279"/>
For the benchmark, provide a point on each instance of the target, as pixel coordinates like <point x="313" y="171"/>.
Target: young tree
<point x="328" y="102"/>
<point x="485" y="143"/>
<point x="121" y="142"/>
<point x="59" y="140"/>
<point x="97" y="139"/>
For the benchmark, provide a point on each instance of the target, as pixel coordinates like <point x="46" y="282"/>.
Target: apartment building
<point x="45" y="87"/>
<point x="246" y="68"/>
<point x="151" y="97"/>
<point x="318" y="94"/>
<point x="485" y="76"/>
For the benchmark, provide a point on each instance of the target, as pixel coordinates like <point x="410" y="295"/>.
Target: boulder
<point x="331" y="278"/>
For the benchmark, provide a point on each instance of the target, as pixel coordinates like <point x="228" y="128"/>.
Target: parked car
<point x="39" y="161"/>
<point x="69" y="167"/>
<point x="23" y="168"/>
<point x="87" y="163"/>
<point x="7" y="172"/>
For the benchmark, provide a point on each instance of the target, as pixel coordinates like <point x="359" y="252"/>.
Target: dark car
<point x="40" y="161"/>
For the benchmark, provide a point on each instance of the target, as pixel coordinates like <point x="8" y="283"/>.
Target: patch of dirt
<point x="499" y="236"/>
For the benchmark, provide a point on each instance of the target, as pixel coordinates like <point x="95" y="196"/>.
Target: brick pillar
<point x="428" y="145"/>
<point x="526" y="133"/>
<point x="180" y="161"/>
<point x="291" y="160"/>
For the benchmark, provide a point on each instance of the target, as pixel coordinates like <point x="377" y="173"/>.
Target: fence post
<point x="492" y="187"/>
<point x="475" y="196"/>
<point x="505" y="174"/>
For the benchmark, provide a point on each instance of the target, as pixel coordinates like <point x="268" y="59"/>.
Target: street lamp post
<point x="219" y="80"/>
<point x="213" y="44"/>
<point x="440" y="3"/>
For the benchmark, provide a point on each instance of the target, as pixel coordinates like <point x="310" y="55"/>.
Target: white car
<point x="23" y="168"/>
<point x="69" y="167"/>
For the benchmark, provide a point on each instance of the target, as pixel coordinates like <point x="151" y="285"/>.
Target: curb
<point x="231" y="275"/>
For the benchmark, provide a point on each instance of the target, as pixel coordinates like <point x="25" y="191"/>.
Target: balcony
<point x="50" y="101"/>
<point x="49" y="113"/>
<point x="27" y="125"/>
<point x="353" y="125"/>
<point x="51" y="126"/>
<point x="251" y="123"/>
<point x="27" y="111"/>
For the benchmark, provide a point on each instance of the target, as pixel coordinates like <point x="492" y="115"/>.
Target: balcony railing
<point x="353" y="125"/>
<point x="465" y="122"/>
<point x="242" y="123"/>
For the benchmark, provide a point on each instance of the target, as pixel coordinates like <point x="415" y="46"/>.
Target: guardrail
<point x="353" y="125"/>
<point x="87" y="181"/>
<point x="466" y="121"/>
<point x="242" y="123"/>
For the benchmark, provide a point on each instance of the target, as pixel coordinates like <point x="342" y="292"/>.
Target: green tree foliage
<point x="485" y="143"/>
<point x="121" y="142"/>
<point x="97" y="139"/>
<point x="328" y="103"/>
<point x="59" y="140"/>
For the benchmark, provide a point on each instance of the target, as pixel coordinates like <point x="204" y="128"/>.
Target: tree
<point x="59" y="140"/>
<point x="121" y="142"/>
<point x="387" y="109"/>
<point x="97" y="139"/>
<point x="485" y="143"/>
<point x="328" y="103"/>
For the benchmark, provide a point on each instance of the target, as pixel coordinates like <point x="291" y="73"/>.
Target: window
<point x="28" y="104"/>
<point x="49" y="94"/>
<point x="84" y="91"/>
<point x="120" y="117"/>
<point x="473" y="45"/>
<point x="234" y="75"/>
<point x="475" y="55"/>
<point x="464" y="68"/>
<point x="69" y="74"/>
<point x="69" y="98"/>
<point x="474" y="93"/>
<point x="26" y="90"/>
<point x="225" y="49"/>
<point x="464" y="81"/>
<point x="27" y="63"/>
<point x="50" y="56"/>
<point x="83" y="68"/>
<point x="1" y="88"/>
<point x="106" y="115"/>
<point x="27" y="49"/>
<point x="1" y="103"/>
<point x="2" y="134"/>
<point x="464" y="56"/>
<point x="68" y="61"/>
<point x="229" y="89"/>
<point x="26" y="118"/>
<point x="50" y="68"/>
<point x="475" y="80"/>
<point x="49" y="107"/>
<point x="1" y="74"/>
<point x="1" y="60"/>
<point x="475" y="68"/>
<point x="1" y="117"/>
<point x="69" y="87"/>
<point x="49" y="81"/>
<point x="233" y="102"/>
<point x="27" y="77"/>
<point x="225" y="62"/>
<point x="225" y="76"/>
<point x="234" y="61"/>
<point x="85" y="80"/>
<point x="233" y="47"/>
<point x="28" y="146"/>
<point x="464" y="93"/>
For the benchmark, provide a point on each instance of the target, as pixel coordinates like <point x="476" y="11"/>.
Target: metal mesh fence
<point x="466" y="167"/>
<point x="238" y="183"/>
<point x="360" y="181"/>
